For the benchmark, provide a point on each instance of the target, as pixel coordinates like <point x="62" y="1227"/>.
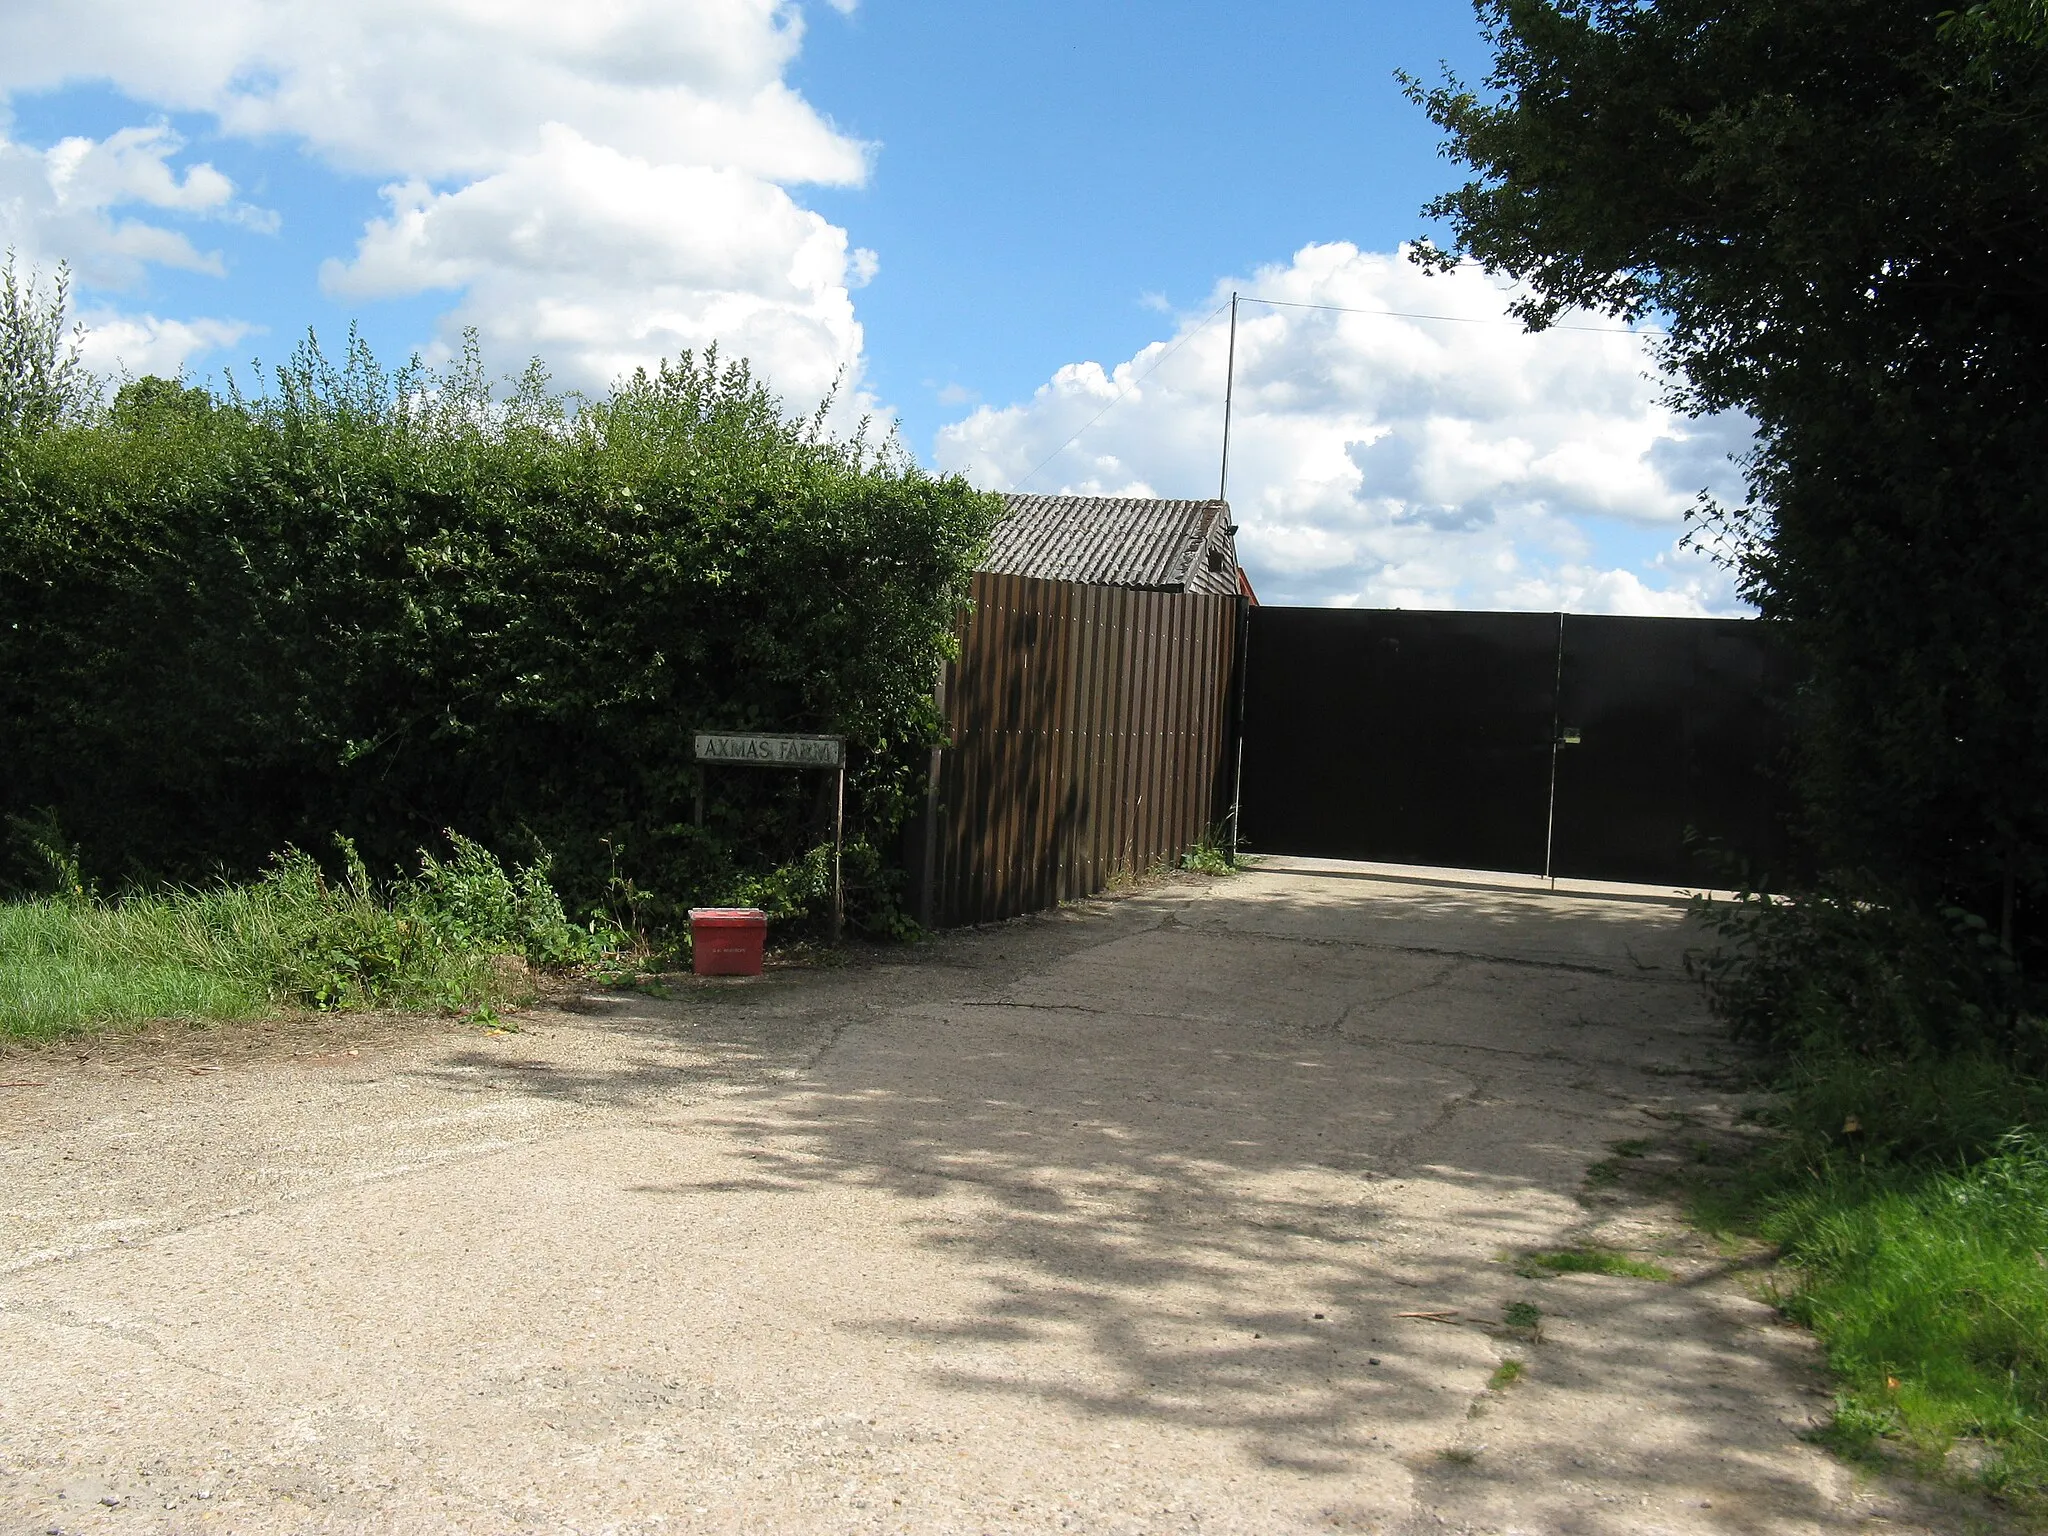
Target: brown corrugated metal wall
<point x="1089" y="738"/>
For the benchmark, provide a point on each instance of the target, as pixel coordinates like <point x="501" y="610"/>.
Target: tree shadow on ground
<point x="1246" y="1163"/>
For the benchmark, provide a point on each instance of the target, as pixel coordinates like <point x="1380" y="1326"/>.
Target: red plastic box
<point x="726" y="941"/>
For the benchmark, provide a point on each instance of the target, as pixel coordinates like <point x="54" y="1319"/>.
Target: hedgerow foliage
<point x="381" y="604"/>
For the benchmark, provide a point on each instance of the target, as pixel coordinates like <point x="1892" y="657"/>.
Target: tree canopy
<point x="1838" y="211"/>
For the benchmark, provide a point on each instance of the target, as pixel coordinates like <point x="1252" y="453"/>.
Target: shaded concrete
<point x="1186" y="1212"/>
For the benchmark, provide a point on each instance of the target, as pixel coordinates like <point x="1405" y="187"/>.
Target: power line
<point x="1340" y="309"/>
<point x="1141" y="378"/>
<point x="1402" y="314"/>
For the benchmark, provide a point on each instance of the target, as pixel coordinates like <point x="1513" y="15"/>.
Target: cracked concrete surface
<point x="1182" y="1213"/>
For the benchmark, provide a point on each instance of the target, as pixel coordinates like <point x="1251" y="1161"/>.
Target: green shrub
<point x="1211" y="856"/>
<point x="470" y="903"/>
<point x="801" y="891"/>
<point x="389" y="603"/>
<point x="1839" y="968"/>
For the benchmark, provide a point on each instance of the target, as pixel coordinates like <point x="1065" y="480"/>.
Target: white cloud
<point x="71" y="202"/>
<point x="133" y="166"/>
<point x="603" y="183"/>
<point x="452" y="88"/>
<point x="1387" y="461"/>
<point x="597" y="260"/>
<point x="127" y="345"/>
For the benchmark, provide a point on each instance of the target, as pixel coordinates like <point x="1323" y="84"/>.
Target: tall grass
<point x="1930" y="1297"/>
<point x="1909" y="1204"/>
<point x="1907" y="1187"/>
<point x="296" y="937"/>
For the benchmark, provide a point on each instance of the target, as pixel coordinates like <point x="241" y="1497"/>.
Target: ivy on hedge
<point x="382" y="604"/>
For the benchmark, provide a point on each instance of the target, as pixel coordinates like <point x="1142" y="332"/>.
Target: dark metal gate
<point x="1548" y="743"/>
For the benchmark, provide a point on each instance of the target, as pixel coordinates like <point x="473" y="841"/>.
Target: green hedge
<point x="386" y="604"/>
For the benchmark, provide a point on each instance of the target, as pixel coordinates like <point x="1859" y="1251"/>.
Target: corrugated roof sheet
<point x="1117" y="541"/>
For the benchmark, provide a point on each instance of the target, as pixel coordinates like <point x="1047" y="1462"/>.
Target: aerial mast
<point x="1229" y="381"/>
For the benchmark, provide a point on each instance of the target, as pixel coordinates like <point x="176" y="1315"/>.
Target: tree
<point x="1838" y="210"/>
<point x="42" y="374"/>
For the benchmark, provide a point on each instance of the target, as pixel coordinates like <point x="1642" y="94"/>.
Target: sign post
<point x="754" y="749"/>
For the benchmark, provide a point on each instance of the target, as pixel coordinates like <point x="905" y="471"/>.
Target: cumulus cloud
<point x="128" y="345"/>
<point x="449" y="88"/>
<point x="601" y="183"/>
<point x="597" y="260"/>
<point x="1378" y="460"/>
<point x="76" y="201"/>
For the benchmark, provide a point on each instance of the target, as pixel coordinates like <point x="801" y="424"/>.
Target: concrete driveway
<point x="1188" y="1212"/>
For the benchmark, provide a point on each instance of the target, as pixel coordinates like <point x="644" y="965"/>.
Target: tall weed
<point x="295" y="937"/>
<point x="799" y="893"/>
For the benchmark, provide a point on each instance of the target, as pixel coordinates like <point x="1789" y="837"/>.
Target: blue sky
<point x="1045" y="167"/>
<point x="993" y="220"/>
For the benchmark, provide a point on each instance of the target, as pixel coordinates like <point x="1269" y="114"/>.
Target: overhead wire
<point x="1403" y="314"/>
<point x="1341" y="309"/>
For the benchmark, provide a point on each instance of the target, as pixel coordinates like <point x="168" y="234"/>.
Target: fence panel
<point x="1089" y="731"/>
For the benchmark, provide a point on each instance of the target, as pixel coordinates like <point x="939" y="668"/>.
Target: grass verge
<point x="463" y="932"/>
<point x="1909" y="1206"/>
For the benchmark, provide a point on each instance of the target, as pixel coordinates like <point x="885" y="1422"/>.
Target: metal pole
<point x="1229" y="383"/>
<point x="1556" y="704"/>
<point x="1242" y="650"/>
<point x="838" y="843"/>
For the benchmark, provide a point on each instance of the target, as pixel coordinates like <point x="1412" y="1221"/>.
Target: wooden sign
<point x="754" y="750"/>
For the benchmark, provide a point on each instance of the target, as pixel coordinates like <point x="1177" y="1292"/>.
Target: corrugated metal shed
<point x="1091" y="732"/>
<point x="1118" y="541"/>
